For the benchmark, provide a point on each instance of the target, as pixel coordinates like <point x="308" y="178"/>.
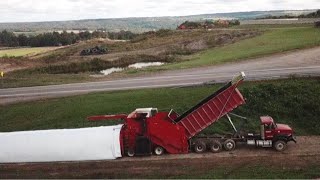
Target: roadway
<point x="300" y="63"/>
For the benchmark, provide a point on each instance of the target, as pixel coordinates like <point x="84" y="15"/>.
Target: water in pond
<point x="142" y="65"/>
<point x="111" y="70"/>
<point x="136" y="65"/>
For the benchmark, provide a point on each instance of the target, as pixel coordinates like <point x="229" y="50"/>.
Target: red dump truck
<point x="146" y="131"/>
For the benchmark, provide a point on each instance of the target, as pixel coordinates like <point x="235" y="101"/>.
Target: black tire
<point x="200" y="147"/>
<point x="94" y="50"/>
<point x="130" y="153"/>
<point x="158" y="150"/>
<point x="85" y="52"/>
<point x="280" y="145"/>
<point x="229" y="145"/>
<point x="215" y="146"/>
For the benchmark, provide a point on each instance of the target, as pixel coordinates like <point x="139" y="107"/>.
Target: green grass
<point x="254" y="171"/>
<point x="270" y="26"/>
<point x="293" y="101"/>
<point x="273" y="167"/>
<point x="27" y="78"/>
<point x="18" y="52"/>
<point x="272" y="41"/>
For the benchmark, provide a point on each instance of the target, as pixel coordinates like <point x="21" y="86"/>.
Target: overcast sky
<point x="56" y="10"/>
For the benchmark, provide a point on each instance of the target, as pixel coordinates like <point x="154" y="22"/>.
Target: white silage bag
<point x="97" y="143"/>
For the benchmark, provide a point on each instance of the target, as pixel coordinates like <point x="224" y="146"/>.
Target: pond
<point x="111" y="70"/>
<point x="145" y="64"/>
<point x="135" y="65"/>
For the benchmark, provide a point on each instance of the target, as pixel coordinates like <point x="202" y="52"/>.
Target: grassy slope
<point x="273" y="41"/>
<point x="23" y="51"/>
<point x="25" y="79"/>
<point x="296" y="102"/>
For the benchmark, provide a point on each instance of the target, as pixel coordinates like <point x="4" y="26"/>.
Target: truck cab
<point x="275" y="134"/>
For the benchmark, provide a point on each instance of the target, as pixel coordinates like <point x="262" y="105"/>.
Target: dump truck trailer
<point x="146" y="131"/>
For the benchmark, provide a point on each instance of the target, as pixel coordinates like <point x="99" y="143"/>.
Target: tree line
<point x="9" y="39"/>
<point x="310" y="15"/>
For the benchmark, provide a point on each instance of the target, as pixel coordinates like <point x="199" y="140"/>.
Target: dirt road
<point x="298" y="157"/>
<point x="301" y="62"/>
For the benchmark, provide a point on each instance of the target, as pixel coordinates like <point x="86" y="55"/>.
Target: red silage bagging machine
<point x="147" y="131"/>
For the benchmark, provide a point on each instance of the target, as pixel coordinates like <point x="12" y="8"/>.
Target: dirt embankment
<point x="298" y="157"/>
<point x="162" y="46"/>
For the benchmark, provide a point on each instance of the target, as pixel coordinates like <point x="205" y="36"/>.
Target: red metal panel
<point x="212" y="110"/>
<point x="163" y="132"/>
<point x="106" y="117"/>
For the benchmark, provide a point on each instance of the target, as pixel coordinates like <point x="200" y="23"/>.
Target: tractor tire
<point x="280" y="145"/>
<point x="158" y="150"/>
<point x="94" y="50"/>
<point x="200" y="147"/>
<point x="215" y="146"/>
<point x="229" y="145"/>
<point x="85" y="52"/>
<point x="130" y="153"/>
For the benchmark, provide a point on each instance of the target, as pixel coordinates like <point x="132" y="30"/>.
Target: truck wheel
<point x="130" y="153"/>
<point x="215" y="146"/>
<point x="229" y="145"/>
<point x="280" y="145"/>
<point x="94" y="50"/>
<point x="200" y="147"/>
<point x="158" y="150"/>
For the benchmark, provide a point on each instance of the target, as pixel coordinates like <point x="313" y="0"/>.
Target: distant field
<point x="164" y="47"/>
<point x="273" y="41"/>
<point x="281" y="21"/>
<point x="24" y="51"/>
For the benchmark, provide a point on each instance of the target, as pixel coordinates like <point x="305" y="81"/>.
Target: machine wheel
<point x="158" y="150"/>
<point x="229" y="145"/>
<point x="280" y="145"/>
<point x="215" y="146"/>
<point x="94" y="50"/>
<point x="130" y="153"/>
<point x="200" y="147"/>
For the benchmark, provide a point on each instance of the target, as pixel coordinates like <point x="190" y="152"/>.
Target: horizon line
<point x="133" y="17"/>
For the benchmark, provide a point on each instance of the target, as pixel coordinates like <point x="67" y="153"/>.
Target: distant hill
<point x="139" y="24"/>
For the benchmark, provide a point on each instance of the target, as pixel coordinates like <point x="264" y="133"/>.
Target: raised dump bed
<point x="212" y="108"/>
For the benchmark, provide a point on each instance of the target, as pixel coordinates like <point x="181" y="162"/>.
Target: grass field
<point x="233" y="167"/>
<point x="276" y="39"/>
<point x="272" y="41"/>
<point x="292" y="101"/>
<point x="18" y="52"/>
<point x="254" y="171"/>
<point x="25" y="79"/>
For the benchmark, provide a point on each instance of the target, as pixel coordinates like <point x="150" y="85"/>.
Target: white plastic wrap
<point x="98" y="143"/>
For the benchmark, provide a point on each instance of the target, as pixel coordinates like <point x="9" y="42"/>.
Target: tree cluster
<point x="310" y="15"/>
<point x="9" y="39"/>
<point x="208" y="24"/>
<point x="122" y="35"/>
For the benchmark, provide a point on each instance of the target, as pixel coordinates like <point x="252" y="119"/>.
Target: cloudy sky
<point x="40" y="10"/>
